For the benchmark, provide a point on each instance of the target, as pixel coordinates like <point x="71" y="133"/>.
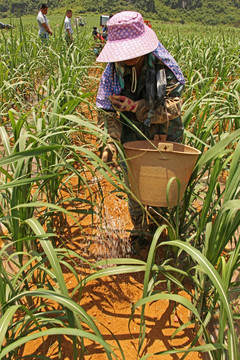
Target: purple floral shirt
<point x="110" y="84"/>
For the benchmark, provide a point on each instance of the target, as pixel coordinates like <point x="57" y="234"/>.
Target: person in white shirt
<point x="44" y="28"/>
<point x="68" y="27"/>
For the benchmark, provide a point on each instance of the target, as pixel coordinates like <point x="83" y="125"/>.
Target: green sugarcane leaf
<point x="112" y="271"/>
<point x="211" y="272"/>
<point x="65" y="301"/>
<point x="171" y="297"/>
<point x="6" y="318"/>
<point x="27" y="181"/>
<point x="214" y="152"/>
<point x="57" y="331"/>
<point x="51" y="254"/>
<point x="202" y="348"/>
<point x="119" y="261"/>
<point x="28" y="153"/>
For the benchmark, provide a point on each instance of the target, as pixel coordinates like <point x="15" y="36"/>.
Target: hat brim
<point x="120" y="50"/>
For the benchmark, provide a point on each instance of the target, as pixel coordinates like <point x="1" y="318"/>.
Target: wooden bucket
<point x="152" y="164"/>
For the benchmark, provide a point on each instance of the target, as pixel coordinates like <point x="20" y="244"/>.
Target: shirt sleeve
<point x="41" y="19"/>
<point x="109" y="85"/>
<point x="67" y="25"/>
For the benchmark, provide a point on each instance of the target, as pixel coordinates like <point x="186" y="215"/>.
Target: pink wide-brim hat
<point x="128" y="38"/>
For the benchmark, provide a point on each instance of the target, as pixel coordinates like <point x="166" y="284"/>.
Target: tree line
<point x="203" y="11"/>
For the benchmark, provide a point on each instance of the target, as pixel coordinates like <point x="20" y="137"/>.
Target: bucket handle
<point x="162" y="137"/>
<point x="165" y="147"/>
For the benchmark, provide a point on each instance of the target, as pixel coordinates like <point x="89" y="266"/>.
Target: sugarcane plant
<point x="46" y="143"/>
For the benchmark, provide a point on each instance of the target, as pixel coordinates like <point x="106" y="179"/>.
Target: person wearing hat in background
<point x="44" y="28"/>
<point x="68" y="27"/>
<point x="143" y="83"/>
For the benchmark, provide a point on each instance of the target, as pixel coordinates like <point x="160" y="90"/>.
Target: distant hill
<point x="211" y="12"/>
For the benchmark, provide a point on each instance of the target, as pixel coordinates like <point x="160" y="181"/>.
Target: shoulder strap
<point x="156" y="83"/>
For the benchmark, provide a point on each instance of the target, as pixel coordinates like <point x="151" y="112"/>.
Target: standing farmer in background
<point x="68" y="27"/>
<point x="143" y="83"/>
<point x="44" y="28"/>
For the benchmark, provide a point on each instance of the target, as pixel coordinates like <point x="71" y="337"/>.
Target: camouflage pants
<point x="110" y="123"/>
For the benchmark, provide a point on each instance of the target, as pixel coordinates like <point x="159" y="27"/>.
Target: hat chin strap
<point x="134" y="80"/>
<point x="134" y="75"/>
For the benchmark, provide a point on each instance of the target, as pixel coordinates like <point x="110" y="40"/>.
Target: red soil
<point x="109" y="299"/>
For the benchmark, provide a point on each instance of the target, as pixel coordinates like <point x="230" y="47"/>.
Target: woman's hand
<point x="123" y="103"/>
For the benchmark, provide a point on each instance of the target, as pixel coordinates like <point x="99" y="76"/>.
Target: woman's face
<point x="131" y="62"/>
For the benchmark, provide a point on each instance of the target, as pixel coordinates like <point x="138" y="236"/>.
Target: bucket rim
<point x="127" y="145"/>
